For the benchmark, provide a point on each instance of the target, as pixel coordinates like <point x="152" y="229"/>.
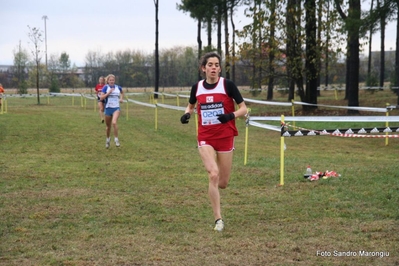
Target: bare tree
<point x="94" y="67"/>
<point x="21" y="59"/>
<point x="35" y="36"/>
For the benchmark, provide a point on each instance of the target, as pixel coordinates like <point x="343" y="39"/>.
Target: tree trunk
<point x="353" y="73"/>
<point x="327" y="46"/>
<point x="199" y="41"/>
<point x="352" y="21"/>
<point x="209" y="31"/>
<point x="156" y="50"/>
<point x="382" y="55"/>
<point x="311" y="55"/>
<point x="219" y="29"/>
<point x="272" y="23"/>
<point x="354" y="62"/>
<point x="298" y="76"/>
<point x="290" y="48"/>
<point x="233" y="29"/>
<point x="294" y="61"/>
<point x="370" y="47"/>
<point x="226" y="40"/>
<point x="319" y="49"/>
<point x="397" y="53"/>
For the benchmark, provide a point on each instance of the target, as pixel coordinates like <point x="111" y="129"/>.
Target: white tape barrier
<point x="371" y="109"/>
<point x="25" y="95"/>
<point x="267" y="102"/>
<point x="168" y="94"/>
<point x="328" y="88"/>
<point x="183" y="96"/>
<point x="89" y="96"/>
<point x="328" y="118"/>
<point x="134" y="93"/>
<point x="65" y="94"/>
<point x="265" y="126"/>
<point x="158" y="104"/>
<point x="171" y="107"/>
<point x="172" y="95"/>
<point x="141" y="103"/>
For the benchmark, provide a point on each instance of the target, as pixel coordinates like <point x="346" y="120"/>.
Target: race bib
<point x="113" y="98"/>
<point x="113" y="102"/>
<point x="210" y="112"/>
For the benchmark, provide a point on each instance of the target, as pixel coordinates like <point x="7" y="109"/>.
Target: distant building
<point x="5" y="68"/>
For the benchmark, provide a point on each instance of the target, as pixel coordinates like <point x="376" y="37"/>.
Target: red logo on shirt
<point x="209" y="99"/>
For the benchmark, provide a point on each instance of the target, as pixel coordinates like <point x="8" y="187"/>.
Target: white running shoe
<point x="117" y="143"/>
<point x="219" y="225"/>
<point x="107" y="142"/>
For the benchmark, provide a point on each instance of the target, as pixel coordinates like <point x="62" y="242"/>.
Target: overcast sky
<point x="77" y="27"/>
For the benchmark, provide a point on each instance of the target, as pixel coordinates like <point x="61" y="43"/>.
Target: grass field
<point x="66" y="200"/>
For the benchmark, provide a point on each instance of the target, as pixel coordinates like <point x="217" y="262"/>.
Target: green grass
<point x="66" y="200"/>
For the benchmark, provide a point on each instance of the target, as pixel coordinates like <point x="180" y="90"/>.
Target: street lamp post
<point x="45" y="35"/>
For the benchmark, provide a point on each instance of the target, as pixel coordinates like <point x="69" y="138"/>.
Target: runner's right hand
<point x="184" y="119"/>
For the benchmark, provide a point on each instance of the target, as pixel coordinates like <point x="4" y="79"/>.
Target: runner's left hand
<point x="224" y="118"/>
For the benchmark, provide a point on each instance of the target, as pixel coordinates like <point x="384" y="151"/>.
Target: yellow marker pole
<point x="156" y="115"/>
<point x="177" y="99"/>
<point x="386" y="125"/>
<point x="246" y="137"/>
<point x="127" y="108"/>
<point x="81" y="101"/>
<point x="336" y="95"/>
<point x="163" y="98"/>
<point x="282" y="152"/>
<point x="293" y="111"/>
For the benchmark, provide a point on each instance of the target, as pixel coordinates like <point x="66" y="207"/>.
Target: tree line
<point x="298" y="40"/>
<point x="178" y="68"/>
<point x="296" y="44"/>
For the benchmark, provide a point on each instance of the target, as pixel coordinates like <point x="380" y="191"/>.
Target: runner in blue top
<point x="113" y="96"/>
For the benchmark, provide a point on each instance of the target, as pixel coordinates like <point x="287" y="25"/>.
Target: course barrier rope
<point x="349" y="132"/>
<point x="256" y="120"/>
<point x="328" y="118"/>
<point x="358" y="108"/>
<point x="372" y="132"/>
